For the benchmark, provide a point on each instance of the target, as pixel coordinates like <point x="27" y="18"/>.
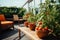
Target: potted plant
<point x="26" y="23"/>
<point x="49" y="19"/>
<point x="32" y="26"/>
<point x="25" y="17"/>
<point x="32" y="21"/>
<point x="41" y="30"/>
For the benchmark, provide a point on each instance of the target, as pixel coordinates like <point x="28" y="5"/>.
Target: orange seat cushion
<point x="6" y="22"/>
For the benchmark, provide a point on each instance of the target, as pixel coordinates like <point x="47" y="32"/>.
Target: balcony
<point x="31" y="16"/>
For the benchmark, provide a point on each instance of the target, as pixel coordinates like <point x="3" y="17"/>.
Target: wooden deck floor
<point x="12" y="35"/>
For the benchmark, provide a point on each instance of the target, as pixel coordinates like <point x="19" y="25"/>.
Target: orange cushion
<point x="2" y="18"/>
<point x="6" y="22"/>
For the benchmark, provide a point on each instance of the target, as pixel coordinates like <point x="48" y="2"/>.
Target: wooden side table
<point x="28" y="32"/>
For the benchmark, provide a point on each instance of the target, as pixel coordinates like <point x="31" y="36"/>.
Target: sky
<point x="18" y="3"/>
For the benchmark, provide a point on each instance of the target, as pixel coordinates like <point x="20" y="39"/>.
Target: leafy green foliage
<point x="9" y="11"/>
<point x="50" y="16"/>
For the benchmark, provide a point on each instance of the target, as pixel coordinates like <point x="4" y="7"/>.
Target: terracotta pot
<point x="42" y="34"/>
<point x="26" y="23"/>
<point x="32" y="26"/>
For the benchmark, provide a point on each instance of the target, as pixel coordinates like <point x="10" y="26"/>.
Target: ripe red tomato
<point x="46" y="28"/>
<point x="37" y="29"/>
<point x="43" y="30"/>
<point x="40" y="28"/>
<point x="40" y="23"/>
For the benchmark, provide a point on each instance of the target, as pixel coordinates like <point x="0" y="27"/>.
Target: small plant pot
<point x="26" y="23"/>
<point x="32" y="26"/>
<point x="42" y="34"/>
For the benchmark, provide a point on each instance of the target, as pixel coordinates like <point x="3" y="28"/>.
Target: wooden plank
<point x="19" y="34"/>
<point x="30" y="33"/>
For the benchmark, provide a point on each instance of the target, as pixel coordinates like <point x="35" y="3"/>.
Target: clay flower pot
<point x="26" y="23"/>
<point x="32" y="26"/>
<point x="42" y="34"/>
